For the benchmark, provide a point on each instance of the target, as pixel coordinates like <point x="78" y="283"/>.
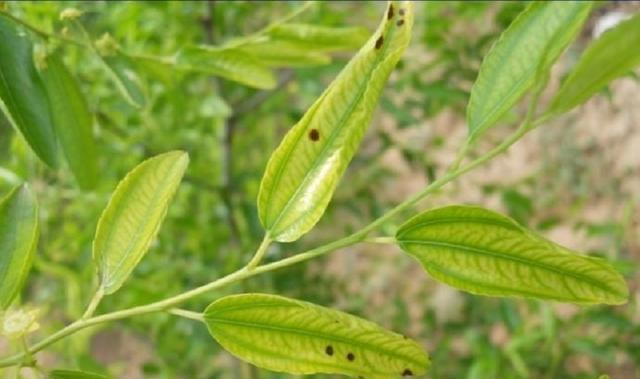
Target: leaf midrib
<point x="322" y="156"/>
<point x="312" y="334"/>
<point x="512" y="258"/>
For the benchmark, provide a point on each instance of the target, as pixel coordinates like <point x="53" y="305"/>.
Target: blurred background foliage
<point x="575" y="180"/>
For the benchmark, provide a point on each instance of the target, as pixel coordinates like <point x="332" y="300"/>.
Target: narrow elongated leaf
<point x="284" y="54"/>
<point x="232" y="64"/>
<point x="74" y="374"/>
<point x="486" y="253"/>
<point x="23" y="97"/>
<point x="72" y="120"/>
<point x="121" y="70"/>
<point x="534" y="40"/>
<point x="320" y="38"/>
<point x="286" y="335"/>
<point x="133" y="217"/>
<point x="303" y="172"/>
<point x="612" y="55"/>
<point x="18" y="241"/>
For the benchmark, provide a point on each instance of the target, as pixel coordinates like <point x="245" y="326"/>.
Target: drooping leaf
<point x="133" y="217"/>
<point x="320" y="38"/>
<point x="612" y="55"/>
<point x="231" y="64"/>
<point x="286" y="335"/>
<point x="531" y="44"/>
<point x="284" y="54"/>
<point x="74" y="374"/>
<point x="72" y="120"/>
<point x="120" y="69"/>
<point x="18" y="241"/>
<point x="486" y="253"/>
<point x="303" y="172"/>
<point x="23" y="97"/>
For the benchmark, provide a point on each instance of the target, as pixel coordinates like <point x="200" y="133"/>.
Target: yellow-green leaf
<point x="133" y="217"/>
<point x="22" y="95"/>
<point x="319" y="37"/>
<point x="486" y="253"/>
<point x="531" y="44"/>
<point x="72" y="120"/>
<point x="284" y="54"/>
<point x="296" y="337"/>
<point x="231" y="64"/>
<point x="614" y="54"/>
<point x="303" y="172"/>
<point x="18" y="241"/>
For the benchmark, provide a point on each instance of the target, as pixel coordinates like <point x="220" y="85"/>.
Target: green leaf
<point x="74" y="374"/>
<point x="231" y="64"/>
<point x="530" y="45"/>
<point x="72" y="120"/>
<point x="120" y="69"/>
<point x="133" y="217"/>
<point x="486" y="253"/>
<point x="23" y="97"/>
<point x="612" y="55"/>
<point x="286" y="335"/>
<point x="320" y="38"/>
<point x="284" y="54"/>
<point x="303" y="172"/>
<point x="18" y="241"/>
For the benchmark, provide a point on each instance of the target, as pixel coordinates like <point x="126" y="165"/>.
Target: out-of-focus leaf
<point x="18" y="241"/>
<point x="133" y="217"/>
<point x="320" y="38"/>
<point x="121" y="70"/>
<point x="530" y="45"/>
<point x="612" y="55"/>
<point x="72" y="120"/>
<point x="23" y="97"/>
<point x="231" y="64"/>
<point x="486" y="253"/>
<point x="303" y="172"/>
<point x="284" y="54"/>
<point x="74" y="374"/>
<point x="297" y="337"/>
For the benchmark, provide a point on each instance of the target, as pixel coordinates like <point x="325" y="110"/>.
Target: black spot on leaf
<point x="407" y="372"/>
<point x="329" y="350"/>
<point x="401" y="11"/>
<point x="351" y="357"/>
<point x="400" y="22"/>
<point x="379" y="42"/>
<point x="390" y="13"/>
<point x="314" y="134"/>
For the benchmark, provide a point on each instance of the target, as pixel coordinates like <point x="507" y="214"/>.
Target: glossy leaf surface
<point x="303" y="172"/>
<point x="72" y="120"/>
<point x="297" y="337"/>
<point x="486" y="253"/>
<point x="23" y="96"/>
<point x="231" y="64"/>
<point x="133" y="217"/>
<point x="532" y="42"/>
<point x="612" y="55"/>
<point x="18" y="241"/>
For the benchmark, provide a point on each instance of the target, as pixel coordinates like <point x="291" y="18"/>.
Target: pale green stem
<point x="380" y="240"/>
<point x="186" y="314"/>
<point x="262" y="250"/>
<point x="245" y="272"/>
<point x="93" y="304"/>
